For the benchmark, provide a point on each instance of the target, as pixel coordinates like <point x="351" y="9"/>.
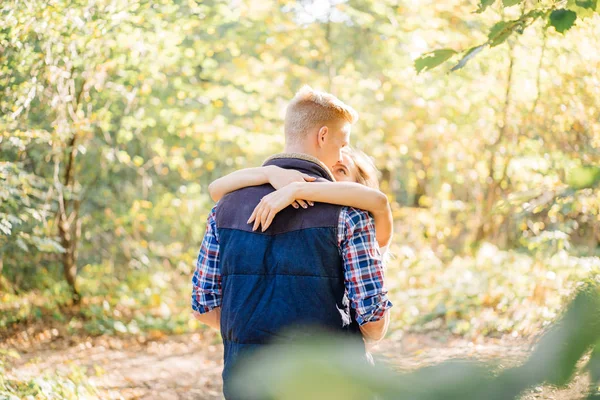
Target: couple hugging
<point x="264" y="266"/>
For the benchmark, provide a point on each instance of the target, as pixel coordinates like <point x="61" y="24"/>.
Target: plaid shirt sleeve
<point x="363" y="268"/>
<point x="206" y="282"/>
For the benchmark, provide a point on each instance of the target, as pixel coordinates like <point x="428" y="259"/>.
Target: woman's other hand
<point x="281" y="177"/>
<point x="274" y="202"/>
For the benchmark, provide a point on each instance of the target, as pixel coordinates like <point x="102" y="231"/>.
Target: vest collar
<point x="304" y="162"/>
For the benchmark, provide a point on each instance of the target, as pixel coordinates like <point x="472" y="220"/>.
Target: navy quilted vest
<point x="290" y="276"/>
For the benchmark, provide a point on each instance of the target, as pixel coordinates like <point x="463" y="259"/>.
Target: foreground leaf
<point x="594" y="368"/>
<point x="335" y="368"/>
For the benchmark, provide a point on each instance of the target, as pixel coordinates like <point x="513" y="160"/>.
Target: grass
<point x="71" y="385"/>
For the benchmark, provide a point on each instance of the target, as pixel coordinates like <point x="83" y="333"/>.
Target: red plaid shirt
<point x="363" y="268"/>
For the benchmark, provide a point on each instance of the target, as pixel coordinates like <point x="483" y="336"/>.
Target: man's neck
<point x="299" y="149"/>
<point x="298" y="161"/>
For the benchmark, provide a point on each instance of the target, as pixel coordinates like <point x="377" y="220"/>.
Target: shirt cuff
<point x="373" y="309"/>
<point x="204" y="308"/>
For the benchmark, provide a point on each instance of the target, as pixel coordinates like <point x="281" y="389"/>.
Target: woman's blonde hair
<point x="366" y="171"/>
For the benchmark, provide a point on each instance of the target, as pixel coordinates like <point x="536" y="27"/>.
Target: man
<point x="312" y="267"/>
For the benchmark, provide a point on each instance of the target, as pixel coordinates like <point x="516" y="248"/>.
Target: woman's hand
<point x="272" y="203"/>
<point x="281" y="177"/>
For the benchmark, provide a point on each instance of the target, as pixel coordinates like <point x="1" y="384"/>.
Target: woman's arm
<point x="277" y="177"/>
<point x="341" y="193"/>
<point x="237" y="180"/>
<point x="353" y="195"/>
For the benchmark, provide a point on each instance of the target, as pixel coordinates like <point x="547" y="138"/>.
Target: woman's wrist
<point x="296" y="189"/>
<point x="269" y="172"/>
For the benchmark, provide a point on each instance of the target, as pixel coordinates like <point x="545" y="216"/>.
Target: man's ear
<point x="321" y="136"/>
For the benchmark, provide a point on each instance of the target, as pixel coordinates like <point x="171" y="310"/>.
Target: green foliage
<point x="71" y="385"/>
<point x="433" y="59"/>
<point x="500" y="32"/>
<point x="594" y="370"/>
<point x="339" y="369"/>
<point x="509" y="3"/>
<point x="562" y="20"/>
<point x="145" y="104"/>
<point x="485" y="4"/>
<point x="141" y="304"/>
<point x="468" y="56"/>
<point x="492" y="293"/>
<point x="583" y="8"/>
<point x="115" y="116"/>
<point x="22" y="210"/>
<point x="583" y="177"/>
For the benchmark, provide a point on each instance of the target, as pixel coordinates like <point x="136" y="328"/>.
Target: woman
<point x="356" y="186"/>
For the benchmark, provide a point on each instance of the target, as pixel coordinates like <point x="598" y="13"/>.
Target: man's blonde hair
<point x="311" y="109"/>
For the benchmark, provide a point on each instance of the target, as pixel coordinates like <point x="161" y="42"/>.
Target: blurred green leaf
<point x="334" y="368"/>
<point x="555" y="358"/>
<point x="433" y="59"/>
<point x="594" y="369"/>
<point x="583" y="177"/>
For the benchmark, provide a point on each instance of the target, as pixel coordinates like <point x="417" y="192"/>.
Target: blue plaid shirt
<point x="363" y="268"/>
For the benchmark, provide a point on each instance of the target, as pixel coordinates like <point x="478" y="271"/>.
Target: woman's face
<point x="344" y="171"/>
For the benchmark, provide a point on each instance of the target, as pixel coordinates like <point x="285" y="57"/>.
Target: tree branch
<point x="539" y="73"/>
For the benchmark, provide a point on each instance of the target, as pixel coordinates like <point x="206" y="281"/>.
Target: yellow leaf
<point x="155" y="300"/>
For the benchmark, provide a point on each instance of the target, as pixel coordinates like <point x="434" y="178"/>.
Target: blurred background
<point x="116" y="115"/>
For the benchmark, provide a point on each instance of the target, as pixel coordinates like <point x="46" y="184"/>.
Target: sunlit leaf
<point x="433" y="59"/>
<point x="485" y="4"/>
<point x="468" y="56"/>
<point x="562" y="20"/>
<point x="509" y="3"/>
<point x="501" y="31"/>
<point x="583" y="8"/>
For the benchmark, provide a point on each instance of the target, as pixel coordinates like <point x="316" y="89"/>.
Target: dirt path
<point x="189" y="366"/>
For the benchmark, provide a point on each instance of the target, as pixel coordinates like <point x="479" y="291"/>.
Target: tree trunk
<point x="68" y="240"/>
<point x="70" y="270"/>
<point x="68" y="223"/>
<point x="1" y="278"/>
<point x="486" y="224"/>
